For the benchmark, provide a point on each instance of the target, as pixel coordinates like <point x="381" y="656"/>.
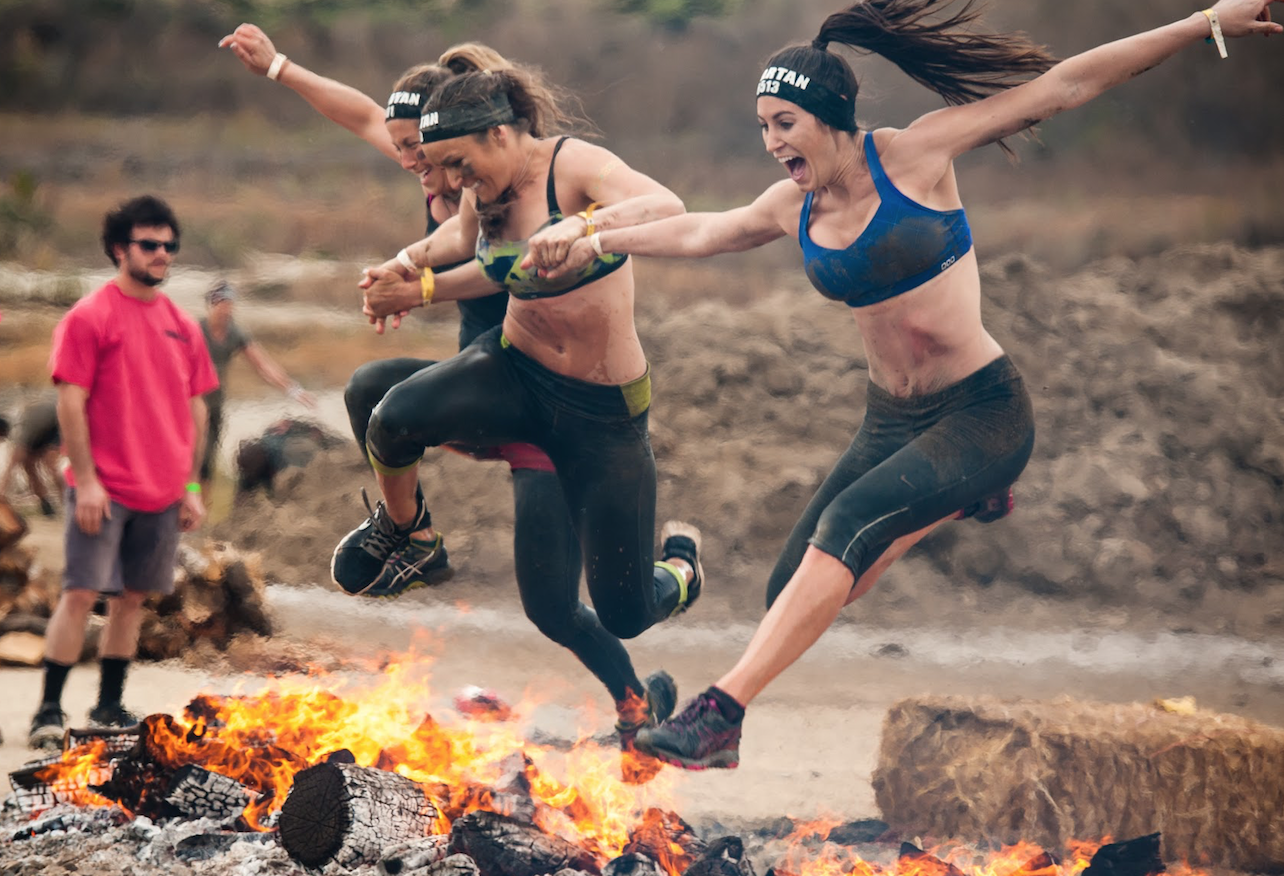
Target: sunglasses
<point x="171" y="246"/>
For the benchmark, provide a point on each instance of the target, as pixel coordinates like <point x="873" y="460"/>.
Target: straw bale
<point x="1050" y="772"/>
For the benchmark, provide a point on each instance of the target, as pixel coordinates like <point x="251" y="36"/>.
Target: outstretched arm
<point x="274" y="374"/>
<point x="938" y="137"/>
<point x="696" y="235"/>
<point x="606" y="192"/>
<point x="339" y="103"/>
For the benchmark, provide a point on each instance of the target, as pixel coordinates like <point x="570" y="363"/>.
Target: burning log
<point x="1134" y="857"/>
<point x="414" y="854"/>
<point x="1050" y="772"/>
<point x="724" y="857"/>
<point x="348" y="814"/>
<point x="200" y="793"/>
<point x="666" y="839"/>
<point x="915" y="861"/>
<point x="502" y="846"/>
<point x="631" y="864"/>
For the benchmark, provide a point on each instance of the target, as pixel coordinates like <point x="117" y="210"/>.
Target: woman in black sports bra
<point x="545" y="550"/>
<point x="566" y="372"/>
<point x="948" y="425"/>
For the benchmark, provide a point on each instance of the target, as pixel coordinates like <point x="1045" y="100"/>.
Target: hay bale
<point x="1050" y="772"/>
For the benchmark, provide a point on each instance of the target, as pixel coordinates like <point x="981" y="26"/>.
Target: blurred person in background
<point x="948" y="423"/>
<point x="546" y="549"/>
<point x="132" y="371"/>
<point x="35" y="450"/>
<point x="224" y="339"/>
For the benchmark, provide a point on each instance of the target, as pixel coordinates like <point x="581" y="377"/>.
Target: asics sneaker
<point x="416" y="564"/>
<point x="360" y="557"/>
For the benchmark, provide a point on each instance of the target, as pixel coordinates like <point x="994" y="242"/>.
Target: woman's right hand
<point x="251" y="47"/>
<point x="1246" y="17"/>
<point x="388" y="294"/>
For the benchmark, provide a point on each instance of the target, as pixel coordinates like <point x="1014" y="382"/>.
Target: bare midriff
<point x="930" y="337"/>
<point x="587" y="334"/>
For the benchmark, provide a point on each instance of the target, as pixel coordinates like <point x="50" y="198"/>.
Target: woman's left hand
<point x="578" y="256"/>
<point x="550" y="247"/>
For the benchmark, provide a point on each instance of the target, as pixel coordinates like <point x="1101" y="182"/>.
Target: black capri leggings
<point x="596" y="435"/>
<point x="915" y="461"/>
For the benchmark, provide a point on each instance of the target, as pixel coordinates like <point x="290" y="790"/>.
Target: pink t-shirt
<point x="141" y="362"/>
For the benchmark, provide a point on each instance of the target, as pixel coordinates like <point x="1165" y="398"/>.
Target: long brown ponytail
<point x="942" y="53"/>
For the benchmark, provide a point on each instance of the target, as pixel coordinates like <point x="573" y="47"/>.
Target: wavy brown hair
<point x="934" y="42"/>
<point x="541" y="110"/>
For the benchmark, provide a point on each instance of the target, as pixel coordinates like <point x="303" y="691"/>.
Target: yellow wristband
<point x="427" y="285"/>
<point x="193" y="487"/>
<point x="587" y="216"/>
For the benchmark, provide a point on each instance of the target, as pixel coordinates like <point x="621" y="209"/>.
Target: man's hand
<point x="93" y="506"/>
<point x="191" y="511"/>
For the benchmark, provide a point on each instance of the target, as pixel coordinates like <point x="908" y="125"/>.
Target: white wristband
<point x="404" y="258"/>
<point x="274" y="69"/>
<point x="1216" y="27"/>
<point x="294" y="391"/>
<point x="595" y="240"/>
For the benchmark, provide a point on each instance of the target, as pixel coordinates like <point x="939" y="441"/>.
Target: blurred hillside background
<point x="104" y="98"/>
<point x="1131" y="261"/>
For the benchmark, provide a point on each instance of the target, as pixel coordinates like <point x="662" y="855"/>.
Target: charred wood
<point x="413" y="854"/>
<point x="1134" y="857"/>
<point x="347" y="814"/>
<point x="199" y="793"/>
<point x="725" y="856"/>
<point x="920" y="863"/>
<point x="502" y="846"/>
<point x="632" y="864"/>
<point x="666" y="839"/>
<point x="451" y="865"/>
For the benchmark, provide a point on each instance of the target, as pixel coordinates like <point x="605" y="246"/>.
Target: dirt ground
<point x="1143" y="560"/>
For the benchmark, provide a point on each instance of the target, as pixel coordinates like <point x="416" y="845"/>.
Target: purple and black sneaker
<point x="698" y="738"/>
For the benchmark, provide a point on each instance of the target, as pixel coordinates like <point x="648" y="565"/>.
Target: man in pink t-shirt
<point x="131" y="369"/>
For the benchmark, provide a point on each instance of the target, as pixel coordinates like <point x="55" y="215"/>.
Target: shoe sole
<point x="722" y="760"/>
<point x="439" y="576"/>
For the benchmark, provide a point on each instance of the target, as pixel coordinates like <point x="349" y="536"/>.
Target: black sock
<point x="727" y="705"/>
<point x="111" y="686"/>
<point x="55" y="678"/>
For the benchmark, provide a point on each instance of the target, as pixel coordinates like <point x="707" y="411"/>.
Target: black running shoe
<point x="417" y="564"/>
<point x="48" y="728"/>
<point x="636" y="713"/>
<point x="360" y="557"/>
<point x="681" y="541"/>
<point x="698" y="738"/>
<point x="112" y="715"/>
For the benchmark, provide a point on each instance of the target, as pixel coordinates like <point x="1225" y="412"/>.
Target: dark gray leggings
<point x="915" y="461"/>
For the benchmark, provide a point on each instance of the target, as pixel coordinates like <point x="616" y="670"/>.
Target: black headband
<point x="832" y="108"/>
<point x="473" y="118"/>
<point x="404" y="105"/>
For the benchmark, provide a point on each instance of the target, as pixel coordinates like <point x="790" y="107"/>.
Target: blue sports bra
<point x="905" y="245"/>
<point x="501" y="260"/>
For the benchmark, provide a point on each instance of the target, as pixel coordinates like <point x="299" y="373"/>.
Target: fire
<point x="265" y="739"/>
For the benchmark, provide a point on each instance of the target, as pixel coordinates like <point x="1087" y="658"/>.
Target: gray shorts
<point x="134" y="551"/>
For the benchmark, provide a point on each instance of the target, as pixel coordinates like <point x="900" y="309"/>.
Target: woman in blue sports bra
<point x="948" y="424"/>
<point x="565" y="373"/>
